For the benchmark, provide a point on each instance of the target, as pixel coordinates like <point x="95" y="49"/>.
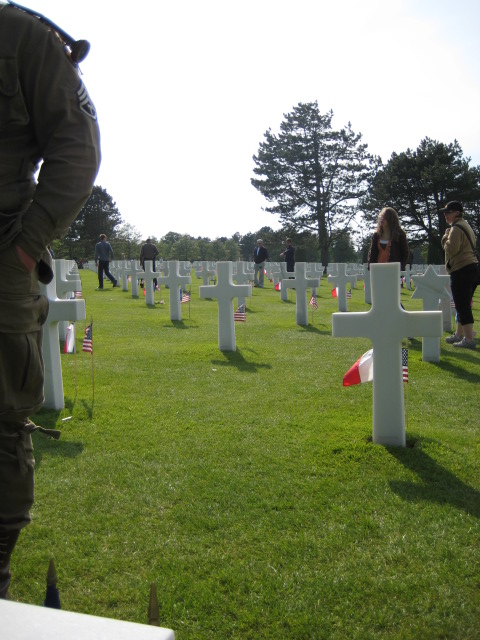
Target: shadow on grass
<point x="181" y="324"/>
<point x="236" y="359"/>
<point x="44" y="446"/>
<point x="451" y="366"/>
<point x="311" y="329"/>
<point x="438" y="484"/>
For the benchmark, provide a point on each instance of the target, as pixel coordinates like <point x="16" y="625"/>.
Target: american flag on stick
<point x="313" y="302"/>
<point x="240" y="314"/>
<point x="405" y="364"/>
<point x="185" y="297"/>
<point x="349" y="293"/>
<point x="87" y="344"/>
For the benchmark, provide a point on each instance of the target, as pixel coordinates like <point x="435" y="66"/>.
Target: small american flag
<point x="240" y="314"/>
<point x="452" y="303"/>
<point x="405" y="364"/>
<point x="87" y="344"/>
<point x="313" y="302"/>
<point x="78" y="294"/>
<point x="185" y="297"/>
<point x="349" y="293"/>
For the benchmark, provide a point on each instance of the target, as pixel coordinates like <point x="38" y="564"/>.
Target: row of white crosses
<point x="386" y="324"/>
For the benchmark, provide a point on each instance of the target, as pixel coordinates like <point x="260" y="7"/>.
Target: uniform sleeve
<point x="64" y="122"/>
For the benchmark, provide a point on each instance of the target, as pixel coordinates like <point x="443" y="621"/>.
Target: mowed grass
<point x="246" y="485"/>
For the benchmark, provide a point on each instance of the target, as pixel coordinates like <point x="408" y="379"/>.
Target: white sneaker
<point x="453" y="338"/>
<point x="466" y="344"/>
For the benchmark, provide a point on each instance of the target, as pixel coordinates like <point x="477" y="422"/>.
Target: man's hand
<point x="27" y="260"/>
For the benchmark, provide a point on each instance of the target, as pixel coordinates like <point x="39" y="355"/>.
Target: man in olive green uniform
<point x="45" y="114"/>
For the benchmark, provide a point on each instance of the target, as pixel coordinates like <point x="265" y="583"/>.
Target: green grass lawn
<point x="246" y="485"/>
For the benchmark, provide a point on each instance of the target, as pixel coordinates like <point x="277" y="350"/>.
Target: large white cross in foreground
<point x="225" y="291"/>
<point x="386" y="324"/>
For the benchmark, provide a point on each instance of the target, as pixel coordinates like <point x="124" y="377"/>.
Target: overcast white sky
<point x="186" y="89"/>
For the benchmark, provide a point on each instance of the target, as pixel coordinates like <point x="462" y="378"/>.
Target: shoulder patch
<point x="85" y="103"/>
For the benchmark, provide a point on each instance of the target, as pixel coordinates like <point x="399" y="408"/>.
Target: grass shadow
<point x="180" y="324"/>
<point x="45" y="446"/>
<point x="311" y="329"/>
<point x="454" y="366"/>
<point x="236" y="359"/>
<point x="437" y="483"/>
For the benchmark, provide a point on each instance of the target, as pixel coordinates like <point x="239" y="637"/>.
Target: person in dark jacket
<point x="103" y="255"/>
<point x="45" y="115"/>
<point x="148" y="252"/>
<point x="260" y="255"/>
<point x="289" y="255"/>
<point x="389" y="242"/>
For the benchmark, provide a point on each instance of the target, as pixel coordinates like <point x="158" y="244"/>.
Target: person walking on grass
<point x="148" y="252"/>
<point x="458" y="243"/>
<point x="289" y="255"/>
<point x="103" y="255"/>
<point x="259" y="256"/>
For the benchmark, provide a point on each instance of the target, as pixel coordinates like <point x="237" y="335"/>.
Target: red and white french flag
<point x="361" y="371"/>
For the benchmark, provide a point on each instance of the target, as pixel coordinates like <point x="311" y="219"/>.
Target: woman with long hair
<point x="389" y="242"/>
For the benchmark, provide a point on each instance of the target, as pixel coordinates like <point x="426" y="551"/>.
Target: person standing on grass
<point x="289" y="255"/>
<point x="458" y="243"/>
<point x="389" y="242"/>
<point x="47" y="119"/>
<point x="148" y="252"/>
<point x="260" y="255"/>
<point x="103" y="255"/>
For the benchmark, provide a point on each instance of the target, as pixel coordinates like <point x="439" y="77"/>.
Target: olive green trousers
<point x="23" y="311"/>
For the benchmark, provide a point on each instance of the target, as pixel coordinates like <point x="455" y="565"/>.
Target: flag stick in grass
<point x="87" y="346"/>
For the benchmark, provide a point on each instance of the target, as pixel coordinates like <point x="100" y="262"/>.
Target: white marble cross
<point x="301" y="283"/>
<point x="386" y="324"/>
<point x="65" y="283"/>
<point x="175" y="282"/>
<point x="366" y="281"/>
<point x="285" y="275"/>
<point x="225" y="291"/>
<point x="431" y="288"/>
<point x="241" y="276"/>
<point x="124" y="275"/>
<point x="70" y="310"/>
<point x="275" y="272"/>
<point x="205" y="272"/>
<point x="340" y="282"/>
<point x="149" y="276"/>
<point x="185" y="268"/>
<point x="135" y="271"/>
<point x="408" y="278"/>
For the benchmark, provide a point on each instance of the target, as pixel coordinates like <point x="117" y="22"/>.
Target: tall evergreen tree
<point x="312" y="175"/>
<point x="99" y="215"/>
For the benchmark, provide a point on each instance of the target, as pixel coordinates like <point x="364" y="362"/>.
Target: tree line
<point x="326" y="190"/>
